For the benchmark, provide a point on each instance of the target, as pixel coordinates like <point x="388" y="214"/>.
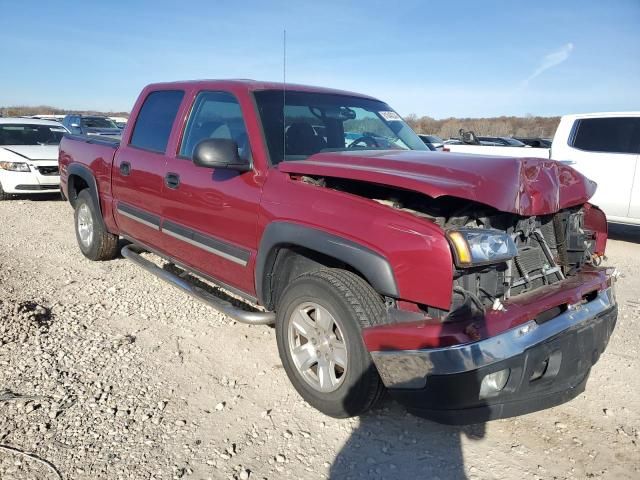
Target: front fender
<point x="375" y="268"/>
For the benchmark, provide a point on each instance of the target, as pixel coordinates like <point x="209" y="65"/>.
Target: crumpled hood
<point x="525" y="186"/>
<point x="17" y="153"/>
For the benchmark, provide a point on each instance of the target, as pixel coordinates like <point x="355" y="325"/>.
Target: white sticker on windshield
<point x="390" y="116"/>
<point x="57" y="129"/>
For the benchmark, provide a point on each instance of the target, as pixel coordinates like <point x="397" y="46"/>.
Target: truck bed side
<point x="85" y="162"/>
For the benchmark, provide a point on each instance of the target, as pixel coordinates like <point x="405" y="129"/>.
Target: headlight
<point x="477" y="246"/>
<point x="15" y="166"/>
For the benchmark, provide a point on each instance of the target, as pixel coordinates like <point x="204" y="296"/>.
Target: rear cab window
<point x="610" y="135"/>
<point x="155" y="120"/>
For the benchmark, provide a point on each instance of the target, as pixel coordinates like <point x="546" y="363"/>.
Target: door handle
<point x="172" y="180"/>
<point x="125" y="169"/>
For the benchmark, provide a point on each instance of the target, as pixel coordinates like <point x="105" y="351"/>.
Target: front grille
<point x="532" y="268"/>
<point x="531" y="258"/>
<point x="48" y="171"/>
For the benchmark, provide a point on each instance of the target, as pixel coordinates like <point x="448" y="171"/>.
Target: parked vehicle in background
<point x="603" y="146"/>
<point x="432" y="141"/>
<point x="501" y="141"/>
<point x="120" y="122"/>
<point x="29" y="156"/>
<point x="91" y="125"/>
<point x="535" y="142"/>
<point x="47" y="116"/>
<point x="470" y="288"/>
<point x="606" y="148"/>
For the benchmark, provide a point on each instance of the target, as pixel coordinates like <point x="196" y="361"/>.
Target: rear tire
<point x="318" y="328"/>
<point x="94" y="241"/>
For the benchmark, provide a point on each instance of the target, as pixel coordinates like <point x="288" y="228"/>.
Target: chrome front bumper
<point x="409" y="369"/>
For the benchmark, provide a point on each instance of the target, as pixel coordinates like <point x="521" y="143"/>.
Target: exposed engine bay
<point x="549" y="248"/>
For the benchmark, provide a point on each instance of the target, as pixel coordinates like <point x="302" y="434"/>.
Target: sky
<point x="461" y="58"/>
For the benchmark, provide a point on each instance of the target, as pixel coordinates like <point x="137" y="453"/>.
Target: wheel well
<point x="290" y="262"/>
<point x="76" y="185"/>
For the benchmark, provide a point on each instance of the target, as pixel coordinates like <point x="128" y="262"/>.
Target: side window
<point x="155" y="119"/>
<point x="215" y="115"/>
<point x="613" y="135"/>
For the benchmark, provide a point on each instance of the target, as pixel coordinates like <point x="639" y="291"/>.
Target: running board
<point x="132" y="252"/>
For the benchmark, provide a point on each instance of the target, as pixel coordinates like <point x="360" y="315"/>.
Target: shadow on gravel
<point x="391" y="443"/>
<point x="624" y="233"/>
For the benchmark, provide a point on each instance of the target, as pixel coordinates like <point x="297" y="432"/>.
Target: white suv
<point x="606" y="148"/>
<point x="29" y="156"/>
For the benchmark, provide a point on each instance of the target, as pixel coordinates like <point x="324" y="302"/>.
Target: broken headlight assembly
<point x="478" y="246"/>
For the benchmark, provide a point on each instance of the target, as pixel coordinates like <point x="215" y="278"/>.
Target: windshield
<point x="322" y="122"/>
<point x="513" y="142"/>
<point x="30" y="134"/>
<point x="97" y="122"/>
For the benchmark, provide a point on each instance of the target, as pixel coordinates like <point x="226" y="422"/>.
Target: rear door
<point x="139" y="166"/>
<point x="210" y="215"/>
<point x="606" y="151"/>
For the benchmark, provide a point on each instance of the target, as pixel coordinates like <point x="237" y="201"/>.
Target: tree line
<point x="528" y="126"/>
<point x="25" y="111"/>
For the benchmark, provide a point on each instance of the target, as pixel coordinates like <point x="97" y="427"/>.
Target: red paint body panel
<point x="525" y="186"/>
<point x="141" y="189"/>
<point x="596" y="220"/>
<point x="430" y="333"/>
<point x="417" y="249"/>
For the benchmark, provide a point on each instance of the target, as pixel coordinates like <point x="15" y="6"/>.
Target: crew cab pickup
<point x="471" y="290"/>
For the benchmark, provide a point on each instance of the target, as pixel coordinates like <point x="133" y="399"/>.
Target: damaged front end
<point x="531" y="313"/>
<point x="497" y="255"/>
<point x="523" y="308"/>
<point x="547" y="249"/>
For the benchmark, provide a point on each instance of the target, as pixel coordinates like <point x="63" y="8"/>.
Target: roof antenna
<point x="284" y="94"/>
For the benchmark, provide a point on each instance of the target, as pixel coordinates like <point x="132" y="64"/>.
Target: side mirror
<point x="219" y="153"/>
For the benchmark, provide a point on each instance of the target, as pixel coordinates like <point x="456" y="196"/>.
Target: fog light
<point x="493" y="383"/>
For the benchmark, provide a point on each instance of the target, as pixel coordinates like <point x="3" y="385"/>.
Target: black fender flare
<point x="87" y="175"/>
<point x="374" y="267"/>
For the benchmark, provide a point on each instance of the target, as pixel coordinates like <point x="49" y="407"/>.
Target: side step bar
<point x="132" y="252"/>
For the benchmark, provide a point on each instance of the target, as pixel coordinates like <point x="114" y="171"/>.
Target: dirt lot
<point x="106" y="372"/>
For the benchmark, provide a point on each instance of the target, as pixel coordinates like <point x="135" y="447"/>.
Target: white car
<point x="29" y="156"/>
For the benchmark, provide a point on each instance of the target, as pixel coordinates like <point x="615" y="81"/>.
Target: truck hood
<point x="16" y="153"/>
<point x="524" y="186"/>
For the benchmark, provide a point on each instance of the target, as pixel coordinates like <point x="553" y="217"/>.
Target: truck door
<point x="604" y="149"/>
<point x="139" y="166"/>
<point x="210" y="215"/>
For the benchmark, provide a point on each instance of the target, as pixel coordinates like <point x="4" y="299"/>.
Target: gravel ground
<point x="107" y="372"/>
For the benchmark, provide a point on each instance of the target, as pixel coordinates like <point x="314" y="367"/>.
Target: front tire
<point x="94" y="241"/>
<point x="318" y="329"/>
<point x="3" y="194"/>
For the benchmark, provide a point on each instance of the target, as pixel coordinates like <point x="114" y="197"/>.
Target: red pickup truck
<point x="466" y="286"/>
